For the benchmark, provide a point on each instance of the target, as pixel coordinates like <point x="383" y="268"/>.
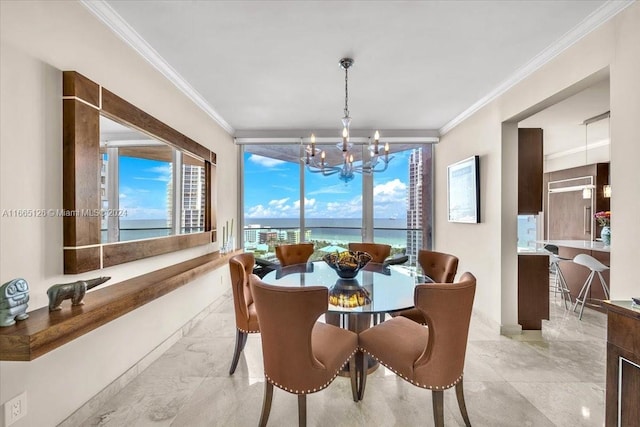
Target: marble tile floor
<point x="551" y="378"/>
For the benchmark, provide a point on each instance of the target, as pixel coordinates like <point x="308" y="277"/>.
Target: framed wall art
<point x="463" y="190"/>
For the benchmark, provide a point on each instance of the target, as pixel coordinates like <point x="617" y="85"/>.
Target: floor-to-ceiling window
<point x="285" y="202"/>
<point x="333" y="207"/>
<point x="402" y="208"/>
<point x="271" y="198"/>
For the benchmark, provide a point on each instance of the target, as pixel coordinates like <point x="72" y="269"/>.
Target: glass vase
<point x="230" y="245"/>
<point x="605" y="235"/>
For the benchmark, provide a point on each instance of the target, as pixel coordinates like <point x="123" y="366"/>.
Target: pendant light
<point x="586" y="191"/>
<point x="606" y="189"/>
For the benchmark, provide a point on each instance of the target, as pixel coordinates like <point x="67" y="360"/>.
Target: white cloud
<point x="280" y="208"/>
<point x="267" y="162"/>
<point x="331" y="189"/>
<point x="163" y="169"/>
<point x="390" y="192"/>
<point x="163" y="174"/>
<point x="308" y="204"/>
<point x="278" y="202"/>
<point x="259" y="211"/>
<point x="350" y="209"/>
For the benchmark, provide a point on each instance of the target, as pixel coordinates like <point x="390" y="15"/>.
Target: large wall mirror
<point x="133" y="186"/>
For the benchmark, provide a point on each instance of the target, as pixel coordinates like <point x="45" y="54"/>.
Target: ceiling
<point x="563" y="122"/>
<point x="259" y="66"/>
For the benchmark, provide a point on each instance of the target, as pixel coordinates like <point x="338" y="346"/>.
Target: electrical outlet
<point x="15" y="409"/>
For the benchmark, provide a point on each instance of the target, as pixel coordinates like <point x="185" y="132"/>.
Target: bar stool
<point x="559" y="283"/>
<point x="596" y="267"/>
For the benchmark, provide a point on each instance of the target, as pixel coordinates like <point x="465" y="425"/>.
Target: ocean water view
<point x="135" y="229"/>
<point x="339" y="231"/>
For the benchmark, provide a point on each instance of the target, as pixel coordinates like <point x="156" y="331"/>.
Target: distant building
<point x="193" y="198"/>
<point x="414" y="205"/>
<point x="268" y="237"/>
<point x="293" y="236"/>
<point x="251" y="233"/>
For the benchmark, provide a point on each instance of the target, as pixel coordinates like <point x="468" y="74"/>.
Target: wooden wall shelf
<point x="45" y="331"/>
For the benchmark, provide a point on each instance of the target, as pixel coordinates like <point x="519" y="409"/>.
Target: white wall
<point x="488" y="249"/>
<point x="38" y="41"/>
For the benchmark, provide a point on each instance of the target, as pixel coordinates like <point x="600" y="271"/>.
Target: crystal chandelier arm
<point x="384" y="168"/>
<point x="326" y="171"/>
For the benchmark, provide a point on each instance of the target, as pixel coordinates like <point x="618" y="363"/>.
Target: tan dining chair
<point x="298" y="253"/>
<point x="301" y="356"/>
<point x="432" y="357"/>
<point x="378" y="251"/>
<point x="241" y="268"/>
<point x="439" y="267"/>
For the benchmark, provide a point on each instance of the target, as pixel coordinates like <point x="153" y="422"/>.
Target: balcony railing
<point x="262" y="241"/>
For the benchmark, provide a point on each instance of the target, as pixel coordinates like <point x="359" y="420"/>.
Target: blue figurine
<point x="14" y="296"/>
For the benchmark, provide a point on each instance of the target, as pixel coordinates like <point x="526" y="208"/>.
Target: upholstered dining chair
<point x="301" y="355"/>
<point x="439" y="267"/>
<point x="433" y="357"/>
<point x="378" y="251"/>
<point x="294" y="254"/>
<point x="241" y="268"/>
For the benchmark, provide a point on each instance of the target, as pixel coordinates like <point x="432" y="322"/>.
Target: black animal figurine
<point x="74" y="291"/>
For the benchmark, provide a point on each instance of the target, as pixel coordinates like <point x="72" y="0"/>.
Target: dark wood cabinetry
<point x="530" y="164"/>
<point x="533" y="290"/>
<point x="623" y="365"/>
<point x="568" y="215"/>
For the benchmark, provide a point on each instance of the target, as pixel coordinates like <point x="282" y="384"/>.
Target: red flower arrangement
<point x="603" y="218"/>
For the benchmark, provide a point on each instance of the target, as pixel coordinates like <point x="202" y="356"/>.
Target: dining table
<point x="376" y="290"/>
<point x="389" y="287"/>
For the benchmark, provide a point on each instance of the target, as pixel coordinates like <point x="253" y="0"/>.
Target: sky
<point x="143" y="188"/>
<point x="272" y="190"/>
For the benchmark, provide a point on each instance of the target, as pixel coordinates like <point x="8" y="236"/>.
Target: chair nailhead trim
<point x="325" y="385"/>
<point x="248" y="332"/>
<point x="411" y="381"/>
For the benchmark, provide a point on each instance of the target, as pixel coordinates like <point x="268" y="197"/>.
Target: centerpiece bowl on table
<point x="347" y="264"/>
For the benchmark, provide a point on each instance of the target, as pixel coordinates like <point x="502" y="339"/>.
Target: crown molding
<point x="593" y="21"/>
<point x="357" y="136"/>
<point x="105" y="13"/>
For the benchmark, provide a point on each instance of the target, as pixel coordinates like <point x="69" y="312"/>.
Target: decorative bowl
<point x="347" y="263"/>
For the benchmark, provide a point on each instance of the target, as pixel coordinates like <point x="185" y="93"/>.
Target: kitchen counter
<point x="626" y="307"/>
<point x="577" y="244"/>
<point x="575" y="274"/>
<point x="531" y="251"/>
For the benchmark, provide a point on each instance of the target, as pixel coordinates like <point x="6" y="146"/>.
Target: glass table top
<point x="386" y="288"/>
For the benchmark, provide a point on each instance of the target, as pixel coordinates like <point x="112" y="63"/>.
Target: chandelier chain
<point x="346" y="92"/>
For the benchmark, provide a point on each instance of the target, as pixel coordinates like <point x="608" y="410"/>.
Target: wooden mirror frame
<point x="84" y="101"/>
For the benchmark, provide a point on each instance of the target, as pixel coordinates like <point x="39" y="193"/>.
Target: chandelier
<point x="347" y="168"/>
